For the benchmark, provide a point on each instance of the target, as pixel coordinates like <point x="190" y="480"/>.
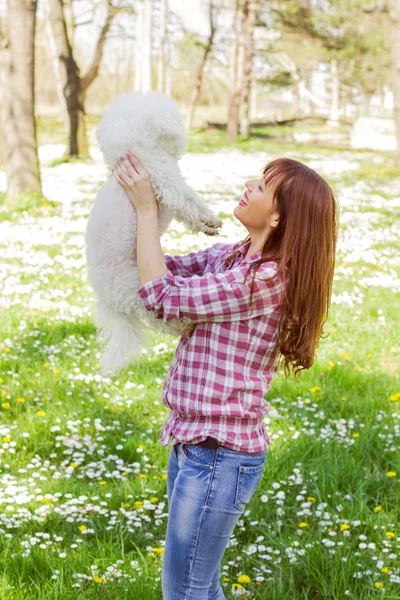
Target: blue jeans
<point x="208" y="490"/>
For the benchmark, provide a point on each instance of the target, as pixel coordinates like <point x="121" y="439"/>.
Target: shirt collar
<point x="243" y="251"/>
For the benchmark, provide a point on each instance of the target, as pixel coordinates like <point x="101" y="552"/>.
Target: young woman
<point x="222" y="369"/>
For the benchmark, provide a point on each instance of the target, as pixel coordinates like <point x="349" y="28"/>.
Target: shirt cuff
<point x="154" y="290"/>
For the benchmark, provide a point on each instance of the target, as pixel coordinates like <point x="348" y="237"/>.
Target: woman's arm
<point x="150" y="257"/>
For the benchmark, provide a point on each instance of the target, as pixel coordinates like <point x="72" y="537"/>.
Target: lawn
<point x="82" y="471"/>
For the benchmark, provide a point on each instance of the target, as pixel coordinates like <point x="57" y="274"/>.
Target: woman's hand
<point x="136" y="183"/>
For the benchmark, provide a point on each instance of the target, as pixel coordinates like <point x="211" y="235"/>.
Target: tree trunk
<point x="139" y="39"/>
<point x="234" y="96"/>
<point x="163" y="40"/>
<point x="69" y="75"/>
<point x="22" y="165"/>
<point x="251" y="14"/>
<point x="334" y="112"/>
<point x="147" y="46"/>
<point x="200" y="69"/>
<point x="395" y="19"/>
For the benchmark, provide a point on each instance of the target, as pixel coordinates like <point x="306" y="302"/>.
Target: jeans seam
<point x="200" y="523"/>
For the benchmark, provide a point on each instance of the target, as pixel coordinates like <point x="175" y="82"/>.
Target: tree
<point x="207" y="47"/>
<point x="394" y="7"/>
<point x="73" y="84"/>
<point x="234" y="84"/>
<point x="18" y="99"/>
<point x="250" y="16"/>
<point x="348" y="34"/>
<point x="143" y="46"/>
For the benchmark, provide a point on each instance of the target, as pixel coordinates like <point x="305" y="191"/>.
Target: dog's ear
<point x="168" y="131"/>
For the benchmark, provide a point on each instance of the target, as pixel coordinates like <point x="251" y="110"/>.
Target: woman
<point x="222" y="369"/>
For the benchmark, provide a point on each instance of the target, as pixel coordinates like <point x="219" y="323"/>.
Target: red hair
<point x="304" y="241"/>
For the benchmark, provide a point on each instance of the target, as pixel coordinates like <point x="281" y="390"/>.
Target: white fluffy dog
<point x="150" y="125"/>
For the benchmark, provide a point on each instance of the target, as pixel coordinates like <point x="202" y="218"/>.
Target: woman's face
<point x="258" y="214"/>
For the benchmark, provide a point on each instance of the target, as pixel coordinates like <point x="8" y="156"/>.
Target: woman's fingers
<point x="135" y="162"/>
<point x="123" y="176"/>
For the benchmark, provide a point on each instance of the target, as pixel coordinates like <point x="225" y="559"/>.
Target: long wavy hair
<point x="304" y="246"/>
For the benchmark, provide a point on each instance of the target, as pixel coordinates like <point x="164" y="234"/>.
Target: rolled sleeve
<point x="212" y="297"/>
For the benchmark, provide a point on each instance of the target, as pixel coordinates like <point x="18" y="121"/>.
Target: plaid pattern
<point x="222" y="369"/>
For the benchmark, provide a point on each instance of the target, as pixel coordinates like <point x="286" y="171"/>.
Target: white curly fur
<point x="150" y="125"/>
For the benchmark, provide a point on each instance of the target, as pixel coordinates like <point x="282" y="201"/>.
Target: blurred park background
<point x="83" y="504"/>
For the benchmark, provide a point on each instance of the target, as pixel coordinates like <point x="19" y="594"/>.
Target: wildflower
<point x="6" y="405"/>
<point x="164" y="476"/>
<point x="97" y="579"/>
<point x="82" y="527"/>
<point x="40" y="413"/>
<point x="394" y="397"/>
<point x="343" y="398"/>
<point x="142" y="476"/>
<point x="158" y="550"/>
<point x="103" y="482"/>
<point x="21" y="400"/>
<point x="385" y="570"/>
<point x="378" y="584"/>
<point x="6" y="439"/>
<point x="356" y="435"/>
<point x="153" y="499"/>
<point x="303" y="525"/>
<point x="315" y="389"/>
<point x="311" y="499"/>
<point x="344" y="526"/>
<point x="244" y="579"/>
<point x="377" y="508"/>
<point x="139" y="504"/>
<point x="389" y="534"/>
<point x="237" y="586"/>
<point x="391" y="473"/>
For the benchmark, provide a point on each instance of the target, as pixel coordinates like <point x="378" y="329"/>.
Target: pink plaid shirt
<point x="224" y="366"/>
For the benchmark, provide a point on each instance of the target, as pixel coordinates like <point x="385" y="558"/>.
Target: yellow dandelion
<point x="103" y="482"/>
<point x="394" y="397"/>
<point x="344" y="526"/>
<point x="377" y="508"/>
<point x="315" y="389"/>
<point x="391" y="473"/>
<point x="82" y="527"/>
<point x="46" y="364"/>
<point x="385" y="570"/>
<point x="373" y="299"/>
<point x="153" y="499"/>
<point x="56" y="371"/>
<point x="343" y="398"/>
<point x="237" y="586"/>
<point x="142" y="476"/>
<point x="6" y="349"/>
<point x="4" y="393"/>
<point x="378" y="584"/>
<point x="6" y="405"/>
<point x="311" y="499"/>
<point x="142" y="446"/>
<point x="225" y="579"/>
<point x="139" y="504"/>
<point x="390" y="534"/>
<point x="73" y="464"/>
<point x="97" y="579"/>
<point x="356" y="435"/>
<point x="1" y="380"/>
<point x="158" y="550"/>
<point x="244" y="579"/>
<point x="21" y="400"/>
<point x="40" y="413"/>
<point x="6" y="439"/>
<point x="303" y="525"/>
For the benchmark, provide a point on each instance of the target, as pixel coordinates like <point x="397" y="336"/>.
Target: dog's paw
<point x="210" y="227"/>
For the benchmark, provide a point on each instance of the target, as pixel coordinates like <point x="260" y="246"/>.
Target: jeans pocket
<point x="247" y="481"/>
<point x="199" y="456"/>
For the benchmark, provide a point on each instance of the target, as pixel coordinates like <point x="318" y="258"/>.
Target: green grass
<point x="82" y="471"/>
